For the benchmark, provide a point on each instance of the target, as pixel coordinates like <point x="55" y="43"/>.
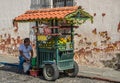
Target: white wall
<point x="109" y="22"/>
<point x="9" y="9"/>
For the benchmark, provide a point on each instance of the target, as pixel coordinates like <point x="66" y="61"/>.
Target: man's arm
<point x="21" y="53"/>
<point x="31" y="53"/>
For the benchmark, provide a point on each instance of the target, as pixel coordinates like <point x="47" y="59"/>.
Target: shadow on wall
<point x="37" y="4"/>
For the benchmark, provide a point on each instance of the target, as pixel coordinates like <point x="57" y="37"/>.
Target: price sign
<point x="41" y="38"/>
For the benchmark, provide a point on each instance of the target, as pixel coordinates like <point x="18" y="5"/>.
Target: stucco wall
<point x="106" y="18"/>
<point x="108" y="22"/>
<point x="9" y="9"/>
<point x="99" y="41"/>
<point x="96" y="40"/>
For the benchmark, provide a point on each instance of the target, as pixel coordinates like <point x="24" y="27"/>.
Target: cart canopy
<point x="71" y="14"/>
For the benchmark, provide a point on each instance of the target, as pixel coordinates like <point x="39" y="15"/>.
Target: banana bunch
<point x="62" y="41"/>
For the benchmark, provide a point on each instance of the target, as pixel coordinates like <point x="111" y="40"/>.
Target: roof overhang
<point x="48" y="13"/>
<point x="74" y="14"/>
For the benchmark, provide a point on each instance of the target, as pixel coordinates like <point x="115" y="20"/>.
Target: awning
<point x="74" y="14"/>
<point x="48" y="13"/>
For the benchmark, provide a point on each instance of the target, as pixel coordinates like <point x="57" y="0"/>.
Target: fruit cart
<point x="54" y="32"/>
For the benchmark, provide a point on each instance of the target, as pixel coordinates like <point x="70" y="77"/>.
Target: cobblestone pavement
<point x="8" y="75"/>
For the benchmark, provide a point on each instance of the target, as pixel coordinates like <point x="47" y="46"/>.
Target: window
<point x="45" y="3"/>
<point x="36" y="4"/>
<point x="62" y="3"/>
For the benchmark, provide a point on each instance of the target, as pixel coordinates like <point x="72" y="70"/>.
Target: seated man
<point x="26" y="53"/>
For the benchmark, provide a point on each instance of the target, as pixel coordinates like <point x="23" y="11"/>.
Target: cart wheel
<point x="50" y="72"/>
<point x="72" y="72"/>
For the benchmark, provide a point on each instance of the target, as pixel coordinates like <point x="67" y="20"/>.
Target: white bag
<point x="26" y="66"/>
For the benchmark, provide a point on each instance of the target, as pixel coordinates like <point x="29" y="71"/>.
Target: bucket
<point x="34" y="73"/>
<point x="33" y="63"/>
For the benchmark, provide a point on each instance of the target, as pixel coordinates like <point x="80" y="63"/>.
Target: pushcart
<point x="55" y="39"/>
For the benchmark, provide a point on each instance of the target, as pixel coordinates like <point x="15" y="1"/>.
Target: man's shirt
<point x="26" y="51"/>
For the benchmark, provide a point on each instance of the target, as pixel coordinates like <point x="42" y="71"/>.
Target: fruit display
<point x="62" y="42"/>
<point x="47" y="40"/>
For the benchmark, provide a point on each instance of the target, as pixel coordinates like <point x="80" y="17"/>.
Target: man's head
<point x="26" y="41"/>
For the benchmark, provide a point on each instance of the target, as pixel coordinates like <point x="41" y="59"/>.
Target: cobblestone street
<point x="8" y="75"/>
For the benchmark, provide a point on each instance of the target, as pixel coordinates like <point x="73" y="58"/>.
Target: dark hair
<point x="26" y="40"/>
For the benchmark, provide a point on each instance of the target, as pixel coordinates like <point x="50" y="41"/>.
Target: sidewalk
<point x="9" y="59"/>
<point x="99" y="73"/>
<point x="85" y="71"/>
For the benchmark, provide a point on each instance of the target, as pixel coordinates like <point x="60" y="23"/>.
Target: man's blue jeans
<point x="21" y="61"/>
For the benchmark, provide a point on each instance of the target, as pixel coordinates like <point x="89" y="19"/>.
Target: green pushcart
<point x="55" y="39"/>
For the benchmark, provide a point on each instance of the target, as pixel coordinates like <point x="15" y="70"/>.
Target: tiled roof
<point x="48" y="13"/>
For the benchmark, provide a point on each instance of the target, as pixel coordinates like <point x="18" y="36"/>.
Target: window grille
<point x="62" y="3"/>
<point x="36" y="4"/>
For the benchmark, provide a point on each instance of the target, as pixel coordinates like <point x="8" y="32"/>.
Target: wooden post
<point x="56" y="40"/>
<point x="37" y="63"/>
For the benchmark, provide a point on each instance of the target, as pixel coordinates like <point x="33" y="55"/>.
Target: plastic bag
<point x="26" y="66"/>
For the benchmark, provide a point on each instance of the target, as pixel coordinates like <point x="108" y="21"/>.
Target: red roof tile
<point x="46" y="13"/>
